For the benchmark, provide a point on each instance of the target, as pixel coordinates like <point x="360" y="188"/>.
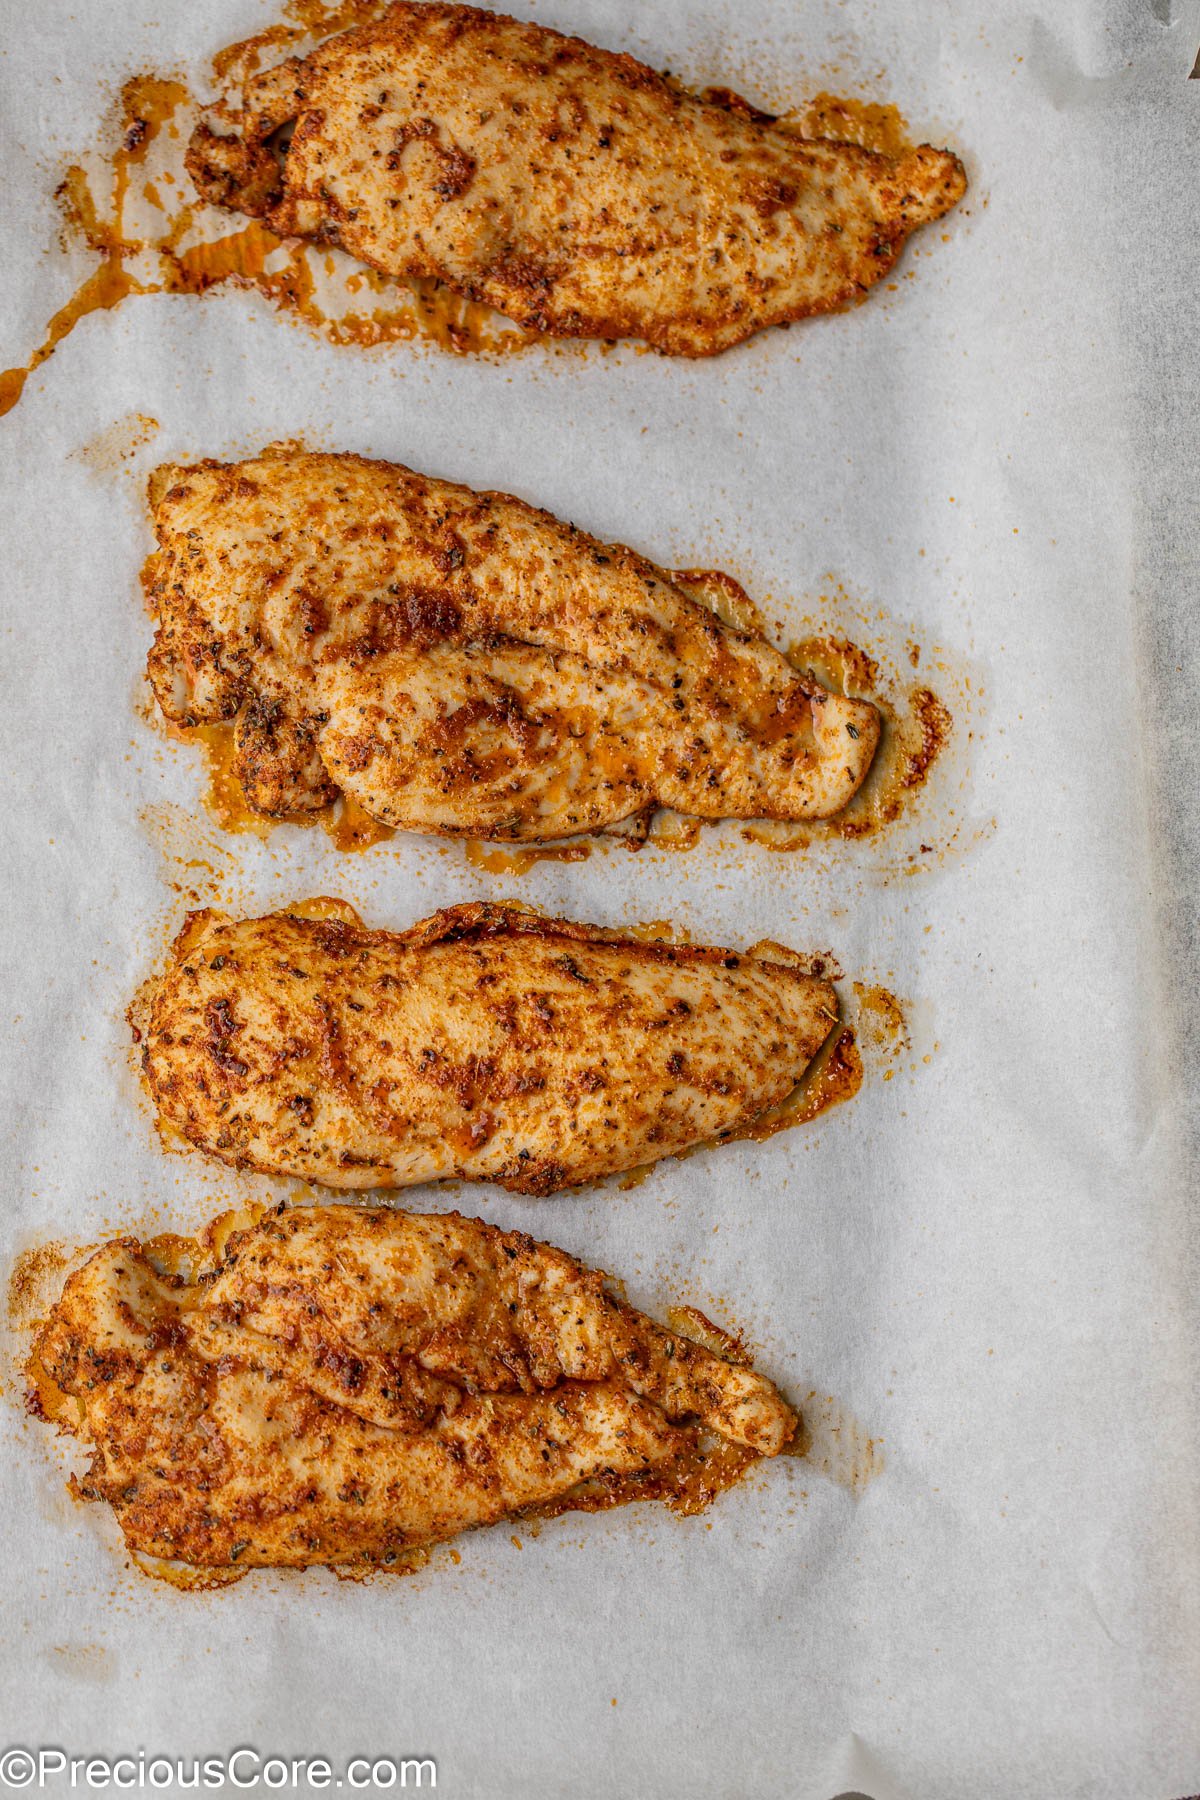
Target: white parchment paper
<point x="985" y="1261"/>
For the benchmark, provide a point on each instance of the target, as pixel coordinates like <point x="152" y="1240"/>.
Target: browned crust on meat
<point x="485" y="1042"/>
<point x="572" y="188"/>
<point x="342" y="1385"/>
<point x="462" y="663"/>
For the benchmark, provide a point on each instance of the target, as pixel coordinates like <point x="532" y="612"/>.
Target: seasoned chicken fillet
<point x="486" y="1042"/>
<point x="458" y="662"/>
<point x="575" y="190"/>
<point x="339" y="1385"/>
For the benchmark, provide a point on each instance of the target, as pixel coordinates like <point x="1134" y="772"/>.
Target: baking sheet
<point x="980" y="1270"/>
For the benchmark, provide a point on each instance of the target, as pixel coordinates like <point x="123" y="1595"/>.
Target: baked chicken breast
<point x="460" y="663"/>
<point x="341" y="1386"/>
<point x="486" y="1042"/>
<point x="574" y="190"/>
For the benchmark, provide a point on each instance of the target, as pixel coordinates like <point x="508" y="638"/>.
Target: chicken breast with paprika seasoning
<point x="340" y="1385"/>
<point x="573" y="189"/>
<point x="460" y="663"/>
<point x="486" y="1042"/>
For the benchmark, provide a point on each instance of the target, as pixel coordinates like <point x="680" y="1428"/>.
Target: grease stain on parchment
<point x="833" y="1441"/>
<point x="129" y="201"/>
<point x="91" y="1664"/>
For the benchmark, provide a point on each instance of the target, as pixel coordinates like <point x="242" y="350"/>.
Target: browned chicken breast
<point x="461" y="663"/>
<point x="486" y="1042"/>
<point x="575" y="190"/>
<point x="341" y="1386"/>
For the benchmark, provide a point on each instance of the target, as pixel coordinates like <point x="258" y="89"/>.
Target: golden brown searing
<point x="341" y="1386"/>
<point x="575" y="190"/>
<point x="458" y="662"/>
<point x="486" y="1042"/>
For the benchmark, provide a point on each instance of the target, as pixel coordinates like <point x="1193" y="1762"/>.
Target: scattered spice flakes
<point x="117" y="443"/>
<point x="196" y="866"/>
<point x="33" y="1282"/>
